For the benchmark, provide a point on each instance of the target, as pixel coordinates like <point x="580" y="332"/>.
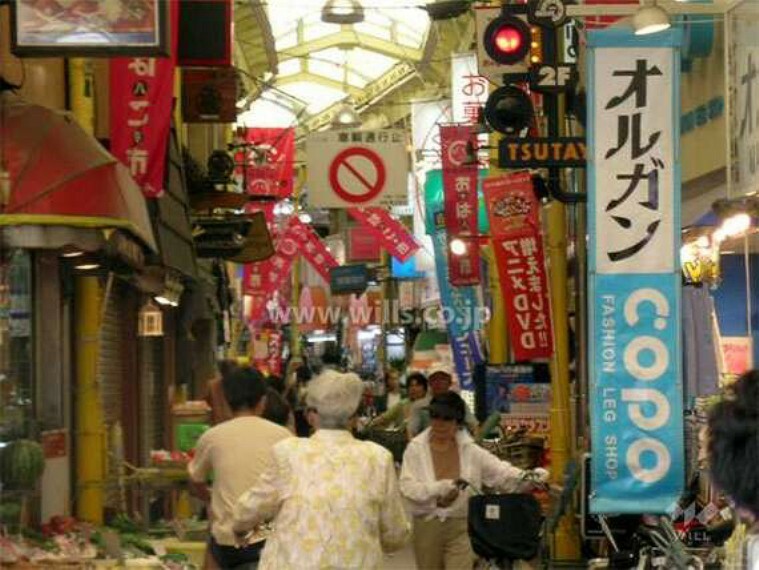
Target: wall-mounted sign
<point x="553" y="78"/>
<point x="542" y="152"/>
<point x="65" y="29"/>
<point x="348" y="279"/>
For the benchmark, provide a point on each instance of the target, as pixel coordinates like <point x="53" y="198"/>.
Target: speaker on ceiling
<point x="205" y="33"/>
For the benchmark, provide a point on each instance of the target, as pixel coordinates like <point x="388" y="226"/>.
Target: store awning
<point x="62" y="176"/>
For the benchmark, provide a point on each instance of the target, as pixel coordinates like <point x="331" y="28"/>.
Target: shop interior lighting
<point x="734" y="226"/>
<point x="305" y="217"/>
<point x="458" y="246"/>
<point x="87" y="266"/>
<point x="342" y="12"/>
<point x="650" y="19"/>
<point x="284" y="208"/>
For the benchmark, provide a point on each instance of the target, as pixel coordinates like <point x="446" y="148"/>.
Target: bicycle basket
<point x="505" y="527"/>
<point x="394" y="440"/>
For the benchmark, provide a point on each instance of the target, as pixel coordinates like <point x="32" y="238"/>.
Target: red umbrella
<point x="60" y="175"/>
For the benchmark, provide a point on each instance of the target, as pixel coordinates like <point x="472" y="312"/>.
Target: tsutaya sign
<point x="539" y="152"/>
<point x="634" y="213"/>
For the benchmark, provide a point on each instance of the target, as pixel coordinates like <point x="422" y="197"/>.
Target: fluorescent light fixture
<point x="650" y="19"/>
<point x="161" y="300"/>
<point x="87" y="266"/>
<point x="305" y="217"/>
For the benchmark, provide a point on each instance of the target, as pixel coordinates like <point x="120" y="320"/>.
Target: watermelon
<point x="21" y="464"/>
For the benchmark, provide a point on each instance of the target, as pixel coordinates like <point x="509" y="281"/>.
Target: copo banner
<point x="634" y="215"/>
<point x="513" y="210"/>
<point x="459" y="144"/>
<point x="461" y="313"/>
<point x="392" y="234"/>
<point x="141" y="102"/>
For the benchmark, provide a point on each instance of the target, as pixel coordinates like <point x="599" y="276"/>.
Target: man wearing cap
<point x="439" y="381"/>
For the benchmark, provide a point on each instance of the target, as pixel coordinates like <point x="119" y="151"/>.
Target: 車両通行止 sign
<point x="357" y="168"/>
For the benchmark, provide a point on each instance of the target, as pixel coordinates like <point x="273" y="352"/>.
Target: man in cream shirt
<point x="236" y="452"/>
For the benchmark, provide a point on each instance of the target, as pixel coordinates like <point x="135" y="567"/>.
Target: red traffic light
<point x="507" y="39"/>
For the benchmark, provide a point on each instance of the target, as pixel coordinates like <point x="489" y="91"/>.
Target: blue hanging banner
<point x="634" y="272"/>
<point x="461" y="313"/>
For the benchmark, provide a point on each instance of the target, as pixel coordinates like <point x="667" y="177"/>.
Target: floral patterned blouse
<point x="334" y="502"/>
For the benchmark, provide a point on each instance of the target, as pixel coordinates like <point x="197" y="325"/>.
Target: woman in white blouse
<point x="434" y="465"/>
<point x="333" y="499"/>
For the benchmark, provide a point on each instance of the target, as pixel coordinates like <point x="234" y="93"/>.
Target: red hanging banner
<point x="459" y="158"/>
<point x="141" y="104"/>
<point x="392" y="234"/>
<point x="311" y="246"/>
<point x="267" y="164"/>
<point x="515" y="228"/>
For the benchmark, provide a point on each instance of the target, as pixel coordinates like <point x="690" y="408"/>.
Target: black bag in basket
<point x="505" y="527"/>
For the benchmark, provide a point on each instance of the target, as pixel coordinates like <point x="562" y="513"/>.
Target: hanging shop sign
<point x="357" y="168"/>
<point x="265" y="164"/>
<point x="542" y="152"/>
<point x="513" y="210"/>
<point x="461" y="314"/>
<point x="349" y="279"/>
<point x="459" y="144"/>
<point x="634" y="213"/>
<point x="363" y="245"/>
<point x="392" y="234"/>
<point x="745" y="100"/>
<point x="142" y="96"/>
<point x="209" y="95"/>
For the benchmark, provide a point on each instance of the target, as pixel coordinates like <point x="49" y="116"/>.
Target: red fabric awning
<point x="60" y="175"/>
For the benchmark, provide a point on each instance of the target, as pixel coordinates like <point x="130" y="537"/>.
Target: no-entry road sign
<point x="357" y="168"/>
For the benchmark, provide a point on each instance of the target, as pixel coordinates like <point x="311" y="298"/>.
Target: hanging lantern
<point x="150" y="322"/>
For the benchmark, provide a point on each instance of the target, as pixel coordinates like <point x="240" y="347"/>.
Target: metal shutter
<point x="112" y="369"/>
<point x="152" y="396"/>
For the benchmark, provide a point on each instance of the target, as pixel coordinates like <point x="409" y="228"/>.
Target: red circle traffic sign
<point x="343" y="163"/>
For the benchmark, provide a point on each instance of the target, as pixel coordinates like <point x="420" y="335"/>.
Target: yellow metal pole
<point x="90" y="438"/>
<point x="566" y="543"/>
<point x="82" y="92"/>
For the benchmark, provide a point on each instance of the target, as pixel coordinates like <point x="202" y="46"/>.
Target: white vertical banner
<point x="426" y="118"/>
<point x="469" y="89"/>
<point x="634" y="271"/>
<point x="745" y="98"/>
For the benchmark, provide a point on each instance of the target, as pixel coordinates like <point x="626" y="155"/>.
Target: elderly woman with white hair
<point x="334" y="500"/>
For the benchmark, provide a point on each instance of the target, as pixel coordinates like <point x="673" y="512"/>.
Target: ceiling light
<point x="87" y="266"/>
<point x="305" y="217"/>
<point x="342" y="12"/>
<point x="72" y="253"/>
<point x="346" y="117"/>
<point x="650" y="19"/>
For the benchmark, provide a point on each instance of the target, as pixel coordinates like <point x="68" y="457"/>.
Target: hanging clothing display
<point x="700" y="372"/>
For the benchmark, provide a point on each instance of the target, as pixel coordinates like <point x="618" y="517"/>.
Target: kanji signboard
<point x="357" y="168"/>
<point x="745" y="99"/>
<point x="634" y="209"/>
